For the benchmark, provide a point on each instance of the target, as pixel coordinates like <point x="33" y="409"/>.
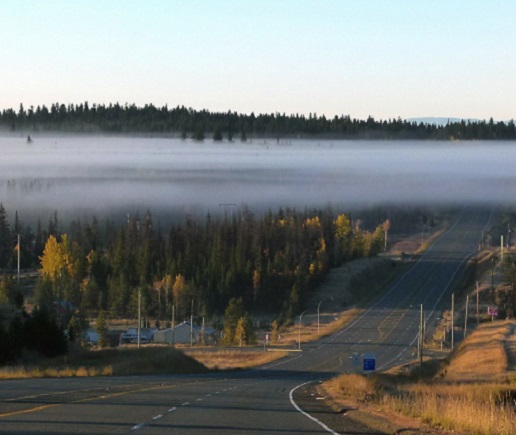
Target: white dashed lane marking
<point x="174" y="408"/>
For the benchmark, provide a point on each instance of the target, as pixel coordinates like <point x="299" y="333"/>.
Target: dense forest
<point x="271" y="262"/>
<point x="223" y="267"/>
<point x="198" y="124"/>
<point x="209" y="267"/>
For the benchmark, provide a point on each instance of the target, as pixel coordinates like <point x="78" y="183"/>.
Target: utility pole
<point x="139" y="315"/>
<point x="452" y="319"/>
<point x="191" y="325"/>
<point x="478" y="314"/>
<point x="18" y="249"/>
<point x="492" y="276"/>
<point x="421" y="340"/>
<point x="173" y="323"/>
<point x="501" y="246"/>
<point x="225" y="206"/>
<point x="466" y="318"/>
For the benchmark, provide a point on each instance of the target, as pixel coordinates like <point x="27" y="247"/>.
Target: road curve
<point x="267" y="400"/>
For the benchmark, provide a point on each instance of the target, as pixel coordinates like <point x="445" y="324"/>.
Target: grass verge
<point x="233" y="359"/>
<point x="472" y="392"/>
<point x="106" y="362"/>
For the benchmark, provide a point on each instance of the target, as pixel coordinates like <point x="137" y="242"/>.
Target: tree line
<point x="197" y="124"/>
<point x="269" y="263"/>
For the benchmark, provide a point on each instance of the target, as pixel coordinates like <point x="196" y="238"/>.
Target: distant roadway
<point x="268" y="400"/>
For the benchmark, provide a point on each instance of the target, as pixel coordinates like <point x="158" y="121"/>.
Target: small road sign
<point x="369" y="362"/>
<point x="492" y="311"/>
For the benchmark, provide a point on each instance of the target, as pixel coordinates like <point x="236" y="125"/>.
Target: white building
<point x="183" y="333"/>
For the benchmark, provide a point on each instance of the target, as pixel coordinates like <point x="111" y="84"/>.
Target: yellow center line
<point x="25" y="411"/>
<point x="396" y="321"/>
<point x="62" y="393"/>
<point x="89" y="399"/>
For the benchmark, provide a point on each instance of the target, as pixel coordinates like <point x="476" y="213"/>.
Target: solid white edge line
<point x="294" y="404"/>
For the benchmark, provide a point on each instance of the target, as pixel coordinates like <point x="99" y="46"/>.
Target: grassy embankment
<point x="117" y="361"/>
<point x="472" y="392"/>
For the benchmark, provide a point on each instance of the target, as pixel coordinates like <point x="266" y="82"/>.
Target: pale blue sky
<point x="385" y="58"/>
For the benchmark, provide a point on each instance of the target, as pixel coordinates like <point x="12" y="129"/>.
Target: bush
<point x="42" y="334"/>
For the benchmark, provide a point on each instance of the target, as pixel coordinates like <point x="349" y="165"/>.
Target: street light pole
<point x="299" y="333"/>
<point x="318" y="307"/>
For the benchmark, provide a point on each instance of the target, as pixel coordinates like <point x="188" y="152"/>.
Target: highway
<point x="273" y="399"/>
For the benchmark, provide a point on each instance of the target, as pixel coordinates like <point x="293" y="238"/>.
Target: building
<point x="131" y="335"/>
<point x="183" y="333"/>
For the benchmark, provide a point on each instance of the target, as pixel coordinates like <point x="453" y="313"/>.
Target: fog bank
<point x="85" y="175"/>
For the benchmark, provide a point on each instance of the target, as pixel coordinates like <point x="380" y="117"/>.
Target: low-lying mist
<point x="85" y="175"/>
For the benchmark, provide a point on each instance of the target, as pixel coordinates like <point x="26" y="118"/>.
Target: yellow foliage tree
<point x="274" y="332"/>
<point x="313" y="222"/>
<point x="179" y="286"/>
<point x="240" y="331"/>
<point x="167" y="285"/>
<point x="57" y="258"/>
<point x="343" y="226"/>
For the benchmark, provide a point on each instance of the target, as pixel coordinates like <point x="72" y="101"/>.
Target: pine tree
<point x="102" y="329"/>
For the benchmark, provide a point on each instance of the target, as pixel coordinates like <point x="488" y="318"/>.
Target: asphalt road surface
<point x="273" y="399"/>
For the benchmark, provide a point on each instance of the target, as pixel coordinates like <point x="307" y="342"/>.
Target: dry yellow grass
<point x="233" y="359"/>
<point x="290" y="334"/>
<point x="428" y="241"/>
<point x="355" y="387"/>
<point x="108" y="362"/>
<point x="482" y="357"/>
<point x="27" y="372"/>
<point x="471" y="394"/>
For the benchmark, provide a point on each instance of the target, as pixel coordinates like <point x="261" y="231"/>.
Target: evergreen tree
<point x="102" y="329"/>
<point x="199" y="134"/>
<point x="5" y="239"/>
<point x="217" y="135"/>
<point x="234" y="311"/>
<point x="42" y="334"/>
